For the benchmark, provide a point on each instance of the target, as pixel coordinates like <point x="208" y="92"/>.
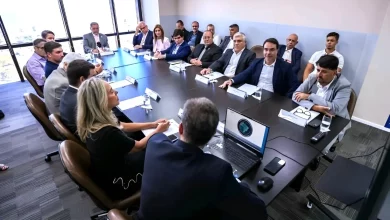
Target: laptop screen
<point x="246" y="130"/>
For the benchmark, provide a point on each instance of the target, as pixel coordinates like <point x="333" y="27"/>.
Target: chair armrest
<point x="133" y="200"/>
<point x="321" y="207"/>
<point x="116" y="214"/>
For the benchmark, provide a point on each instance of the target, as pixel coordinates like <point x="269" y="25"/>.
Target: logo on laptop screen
<point x="244" y="127"/>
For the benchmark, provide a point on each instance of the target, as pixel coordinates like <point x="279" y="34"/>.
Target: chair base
<point x="49" y="155"/>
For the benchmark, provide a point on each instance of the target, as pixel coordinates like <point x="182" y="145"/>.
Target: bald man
<point x="143" y="37"/>
<point x="291" y="54"/>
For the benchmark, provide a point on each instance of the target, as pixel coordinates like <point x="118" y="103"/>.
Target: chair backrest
<point x="32" y="81"/>
<point x="76" y="161"/>
<point x="258" y="50"/>
<point x="63" y="130"/>
<point x="352" y="103"/>
<point x="38" y="109"/>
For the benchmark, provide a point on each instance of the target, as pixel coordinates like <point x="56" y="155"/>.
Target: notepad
<point x="131" y="103"/>
<point x="213" y="75"/>
<point x="120" y="84"/>
<point x="173" y="128"/>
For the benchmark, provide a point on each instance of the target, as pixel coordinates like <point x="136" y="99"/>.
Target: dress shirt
<point x="192" y="40"/>
<point x="323" y="90"/>
<point x="160" y="45"/>
<point x="97" y="39"/>
<point x="317" y="55"/>
<point x="266" y="77"/>
<point x="36" y="67"/>
<point x="287" y="54"/>
<point x="203" y="51"/>
<point x="231" y="68"/>
<point x="143" y="38"/>
<point x="230" y="45"/>
<point x="176" y="48"/>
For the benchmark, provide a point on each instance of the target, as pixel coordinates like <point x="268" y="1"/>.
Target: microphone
<point x="99" y="46"/>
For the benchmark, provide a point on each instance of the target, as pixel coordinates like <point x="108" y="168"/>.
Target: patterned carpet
<point x="34" y="189"/>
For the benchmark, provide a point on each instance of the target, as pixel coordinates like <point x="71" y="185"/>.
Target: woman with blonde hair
<point x="160" y="42"/>
<point x="116" y="160"/>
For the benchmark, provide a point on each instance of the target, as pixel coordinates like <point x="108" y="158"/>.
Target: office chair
<point x="62" y="130"/>
<point x="115" y="214"/>
<point x="352" y="102"/>
<point x="32" y="81"/>
<point x="76" y="161"/>
<point x="258" y="50"/>
<point x="38" y="109"/>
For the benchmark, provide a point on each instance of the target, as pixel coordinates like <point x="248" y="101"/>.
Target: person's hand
<point x="205" y="71"/>
<point x="323" y="109"/>
<point x="197" y="63"/>
<point x="98" y="68"/>
<point x="162" y="120"/>
<point x="288" y="61"/>
<point x="95" y="51"/>
<point x="137" y="29"/>
<point x="157" y="53"/>
<point x="162" y="127"/>
<point x="226" y="83"/>
<point x="160" y="56"/>
<point x="299" y="96"/>
<point x="192" y="61"/>
<point x="137" y="47"/>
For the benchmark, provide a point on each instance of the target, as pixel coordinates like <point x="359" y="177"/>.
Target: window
<point x="8" y="72"/>
<point x="126" y="40"/>
<point x="80" y="14"/>
<point x="126" y="15"/>
<point x="26" y="19"/>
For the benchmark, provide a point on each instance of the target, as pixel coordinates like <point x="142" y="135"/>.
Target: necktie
<point x="203" y="51"/>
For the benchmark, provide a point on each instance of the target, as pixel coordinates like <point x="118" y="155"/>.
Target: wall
<point x="151" y="12"/>
<point x="374" y="103"/>
<point x="168" y="15"/>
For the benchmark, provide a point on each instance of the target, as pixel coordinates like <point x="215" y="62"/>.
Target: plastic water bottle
<point x="93" y="59"/>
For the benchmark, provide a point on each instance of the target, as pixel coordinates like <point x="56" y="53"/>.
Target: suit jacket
<point x="55" y="85"/>
<point x="295" y="58"/>
<point x="212" y="54"/>
<point x="68" y="111"/>
<point x="283" y="80"/>
<point x="336" y="98"/>
<point x="190" y="184"/>
<point x="89" y="42"/>
<point x="246" y="58"/>
<point x="199" y="36"/>
<point x="148" y="41"/>
<point x="225" y="43"/>
<point x="181" y="54"/>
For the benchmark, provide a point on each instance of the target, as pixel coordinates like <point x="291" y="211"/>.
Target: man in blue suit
<point x="182" y="182"/>
<point x="179" y="50"/>
<point x="270" y="73"/>
<point x="290" y="54"/>
<point x="143" y="37"/>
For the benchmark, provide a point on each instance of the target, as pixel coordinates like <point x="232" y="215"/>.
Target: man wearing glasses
<point x="37" y="62"/>
<point x="234" y="60"/>
<point x="194" y="38"/>
<point x="179" y="50"/>
<point x="290" y="54"/>
<point x="143" y="37"/>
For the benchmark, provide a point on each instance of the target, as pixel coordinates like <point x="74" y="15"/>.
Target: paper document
<point x="213" y="75"/>
<point x="292" y="118"/>
<point x="173" y="128"/>
<point x="120" y="84"/>
<point x="249" y="89"/>
<point x="147" y="57"/>
<point x="303" y="113"/>
<point x="143" y="53"/>
<point x="106" y="53"/>
<point x="175" y="61"/>
<point x="131" y="103"/>
<point x="221" y="127"/>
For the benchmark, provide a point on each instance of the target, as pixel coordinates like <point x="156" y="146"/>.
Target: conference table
<point x="286" y="140"/>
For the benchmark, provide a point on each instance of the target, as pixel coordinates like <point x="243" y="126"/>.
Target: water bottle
<point x="258" y="93"/>
<point x="93" y="57"/>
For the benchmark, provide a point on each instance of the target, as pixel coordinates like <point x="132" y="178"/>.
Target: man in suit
<point x="205" y="54"/>
<point x="143" y="37"/>
<point x="195" y="36"/>
<point x="180" y="26"/>
<point x="234" y="60"/>
<point x="227" y="43"/>
<point x="190" y="184"/>
<point x="179" y="50"/>
<point x="290" y="54"/>
<point x="270" y="73"/>
<point x="90" y="40"/>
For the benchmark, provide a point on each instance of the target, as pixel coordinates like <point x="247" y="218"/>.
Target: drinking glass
<point x="325" y="124"/>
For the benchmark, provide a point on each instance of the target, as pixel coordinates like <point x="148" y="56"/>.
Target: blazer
<point x="89" y="42"/>
<point x="68" y="111"/>
<point x="181" y="54"/>
<point x="336" y="98"/>
<point x="225" y="43"/>
<point x="190" y="184"/>
<point x="296" y="55"/>
<point x="199" y="36"/>
<point x="148" y="41"/>
<point x="55" y="85"/>
<point x="212" y="54"/>
<point x="283" y="80"/>
<point x="246" y="58"/>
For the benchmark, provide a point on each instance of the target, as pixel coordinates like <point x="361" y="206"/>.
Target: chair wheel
<point x="47" y="159"/>
<point x="332" y="149"/>
<point x="309" y="205"/>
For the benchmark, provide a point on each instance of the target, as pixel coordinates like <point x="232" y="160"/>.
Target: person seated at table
<point x="193" y="184"/>
<point x="57" y="82"/>
<point x="290" y="53"/>
<point x="205" y="54"/>
<point x="90" y="40"/>
<point x="228" y="43"/>
<point x="216" y="38"/>
<point x="270" y="73"/>
<point x="143" y="37"/>
<point x="234" y="60"/>
<point x="332" y="40"/>
<point x="48" y="35"/>
<point x="160" y="42"/>
<point x="116" y="160"/>
<point x="179" y="50"/>
<point x="37" y="62"/>
<point x="195" y="36"/>
<point x="54" y="56"/>
<point x="180" y="26"/>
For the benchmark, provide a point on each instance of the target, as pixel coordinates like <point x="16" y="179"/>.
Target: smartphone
<point x="172" y="137"/>
<point x="274" y="166"/>
<point x="315" y="123"/>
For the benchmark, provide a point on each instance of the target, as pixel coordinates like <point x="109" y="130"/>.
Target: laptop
<point x="243" y="142"/>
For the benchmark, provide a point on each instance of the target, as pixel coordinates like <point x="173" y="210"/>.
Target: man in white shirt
<point x="228" y="41"/>
<point x="143" y="37"/>
<point x="234" y="60"/>
<point x="216" y="39"/>
<point x="290" y="53"/>
<point x="331" y="41"/>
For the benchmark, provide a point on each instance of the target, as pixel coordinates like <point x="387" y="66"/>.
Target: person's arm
<point x="148" y="42"/>
<point x="304" y="88"/>
<point x="214" y="57"/>
<point x="181" y="55"/>
<point x="219" y="64"/>
<point x="192" y="55"/>
<point x="36" y="71"/>
<point x="237" y="201"/>
<point x="297" y="65"/>
<point x="135" y="40"/>
<point x="245" y="75"/>
<point x="309" y="67"/>
<point x="341" y="64"/>
<point x="87" y="49"/>
<point x="140" y="145"/>
<point x="339" y="102"/>
<point x="292" y="81"/>
<point x="107" y="45"/>
<point x="167" y="44"/>
<point x="168" y="49"/>
<point x="132" y="127"/>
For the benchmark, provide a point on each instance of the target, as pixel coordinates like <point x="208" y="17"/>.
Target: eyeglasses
<point x="41" y="48"/>
<point x="302" y="114"/>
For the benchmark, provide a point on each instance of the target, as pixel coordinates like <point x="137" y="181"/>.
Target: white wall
<point x="151" y="12"/>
